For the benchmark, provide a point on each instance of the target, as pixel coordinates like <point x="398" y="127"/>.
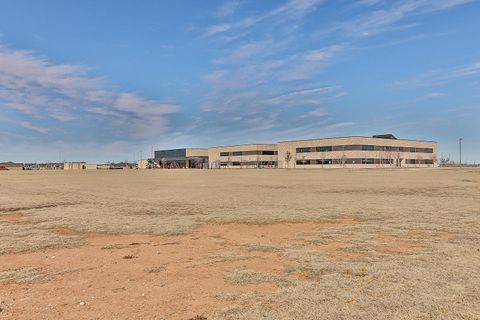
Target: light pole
<point x="460" y="149"/>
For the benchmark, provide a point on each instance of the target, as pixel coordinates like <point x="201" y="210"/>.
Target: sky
<point x="112" y="80"/>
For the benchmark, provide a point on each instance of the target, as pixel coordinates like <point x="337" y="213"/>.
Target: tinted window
<point x="224" y="154"/>
<point x="237" y="153"/>
<point x="268" y="152"/>
<point x="324" y="149"/>
<point x="368" y="161"/>
<point x="367" y="147"/>
<point x="302" y="150"/>
<point x="325" y="161"/>
<point x="301" y="162"/>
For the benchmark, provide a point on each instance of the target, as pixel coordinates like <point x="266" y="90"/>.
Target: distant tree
<point x="445" y="161"/>
<point x="288" y="158"/>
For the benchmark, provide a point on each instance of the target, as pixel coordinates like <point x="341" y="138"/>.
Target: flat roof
<point x="370" y="137"/>
<point x="182" y="149"/>
<point x="246" y="144"/>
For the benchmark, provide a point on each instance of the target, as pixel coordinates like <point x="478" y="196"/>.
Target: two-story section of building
<point x="243" y="156"/>
<point x="357" y="152"/>
<point x="181" y="158"/>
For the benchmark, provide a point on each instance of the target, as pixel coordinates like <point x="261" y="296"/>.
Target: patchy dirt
<point x="160" y="277"/>
<point x="13" y="218"/>
<point x="141" y="276"/>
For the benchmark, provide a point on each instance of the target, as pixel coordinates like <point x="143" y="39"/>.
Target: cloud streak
<point x="40" y="90"/>
<point x="439" y="77"/>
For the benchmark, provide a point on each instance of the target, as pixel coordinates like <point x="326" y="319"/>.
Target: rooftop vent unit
<point x="385" y="136"/>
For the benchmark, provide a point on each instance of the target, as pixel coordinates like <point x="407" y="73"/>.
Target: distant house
<point x="79" y="166"/>
<point x="11" y="166"/>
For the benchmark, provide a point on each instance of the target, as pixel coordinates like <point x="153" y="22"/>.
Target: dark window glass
<point x="367" y="147"/>
<point x="170" y="154"/>
<point x="324" y="161"/>
<point x="237" y="153"/>
<point x="268" y="152"/>
<point x="303" y="162"/>
<point x="428" y="161"/>
<point x="368" y="161"/>
<point x="236" y="164"/>
<point x="324" y="149"/>
<point x="400" y="149"/>
<point x="412" y="150"/>
<point x="428" y="150"/>
<point x="303" y="150"/>
<point x="224" y="154"/>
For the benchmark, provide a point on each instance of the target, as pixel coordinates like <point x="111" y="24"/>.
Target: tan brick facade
<point x="243" y="156"/>
<point x="356" y="152"/>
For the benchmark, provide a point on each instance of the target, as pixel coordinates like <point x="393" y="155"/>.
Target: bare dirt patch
<point x="246" y="244"/>
<point x="130" y="276"/>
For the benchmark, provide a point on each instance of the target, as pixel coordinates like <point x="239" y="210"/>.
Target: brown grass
<point x="361" y="244"/>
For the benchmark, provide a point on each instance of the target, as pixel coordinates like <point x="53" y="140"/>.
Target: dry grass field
<point x="240" y="244"/>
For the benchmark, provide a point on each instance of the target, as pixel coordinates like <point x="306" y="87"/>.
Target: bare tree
<point x="288" y="158"/>
<point x="398" y="158"/>
<point x="322" y="158"/>
<point x="344" y="158"/>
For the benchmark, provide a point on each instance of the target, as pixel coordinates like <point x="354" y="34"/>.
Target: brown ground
<point x="147" y="277"/>
<point x="287" y="245"/>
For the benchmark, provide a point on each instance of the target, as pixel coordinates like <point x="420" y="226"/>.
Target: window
<point x="303" y="162"/>
<point x="324" y="161"/>
<point x="224" y="154"/>
<point x="237" y="153"/>
<point x="268" y="152"/>
<point x="411" y="161"/>
<point x="303" y="150"/>
<point x="400" y="149"/>
<point x="428" y="161"/>
<point x="411" y="149"/>
<point x="368" y="161"/>
<point x="323" y="149"/>
<point x="236" y="164"/>
<point x="428" y="150"/>
<point x="367" y="147"/>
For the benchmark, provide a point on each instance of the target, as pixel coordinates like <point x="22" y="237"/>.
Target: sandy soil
<point x="146" y="277"/>
<point x="240" y="244"/>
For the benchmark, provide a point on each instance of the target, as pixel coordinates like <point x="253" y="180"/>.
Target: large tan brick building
<point x="381" y="151"/>
<point x="357" y="152"/>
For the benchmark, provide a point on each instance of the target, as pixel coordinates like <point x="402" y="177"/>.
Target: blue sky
<point x="109" y="80"/>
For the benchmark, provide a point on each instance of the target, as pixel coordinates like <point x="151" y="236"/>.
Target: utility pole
<point x="460" y="149"/>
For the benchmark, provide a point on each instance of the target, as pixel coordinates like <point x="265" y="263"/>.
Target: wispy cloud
<point x="317" y="112"/>
<point x="227" y="9"/>
<point x="39" y="89"/>
<point x="300" y="94"/>
<point x="435" y="95"/>
<point x="282" y="14"/>
<point x="438" y="77"/>
<point x="384" y="19"/>
<point x="307" y="64"/>
<point x="28" y="125"/>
